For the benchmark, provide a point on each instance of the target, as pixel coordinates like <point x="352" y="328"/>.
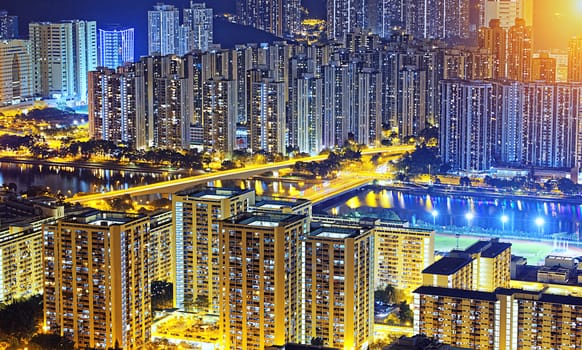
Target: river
<point x="509" y="216"/>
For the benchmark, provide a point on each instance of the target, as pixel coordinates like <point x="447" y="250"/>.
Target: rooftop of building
<point x="447" y="265"/>
<point x="280" y="203"/>
<point x="540" y="296"/>
<point x="488" y="249"/>
<point x="456" y="293"/>
<point x="516" y="293"/>
<point x="293" y="346"/>
<point x="213" y="193"/>
<point x="336" y="232"/>
<point x="103" y="218"/>
<point x="263" y="219"/>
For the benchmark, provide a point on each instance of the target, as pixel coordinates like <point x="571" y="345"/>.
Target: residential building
<point x="197" y="245"/>
<point x="62" y="54"/>
<point x="575" y="60"/>
<point x="199" y="20"/>
<point x="163" y="25"/>
<point x="96" y="280"/>
<point x="519" y="51"/>
<point x="544" y="68"/>
<point x="339" y="286"/>
<point x="16" y="79"/>
<point x="402" y="253"/>
<point x="112" y="106"/>
<point x="261" y="279"/>
<point x="550" y="124"/>
<point x="116" y="46"/>
<point x="494" y="40"/>
<point x="8" y="26"/>
<point x="506" y="11"/>
<point x="219" y="107"/>
<point x="309" y="107"/>
<point x="466" y="117"/>
<point x="501" y="319"/>
<point x="279" y="17"/>
<point x="161" y="255"/>
<point x="21" y="245"/>
<point x="345" y="16"/>
<point x="267" y="116"/>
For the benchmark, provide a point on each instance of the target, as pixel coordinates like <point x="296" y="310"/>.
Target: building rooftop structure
<point x="264" y="219"/>
<point x="488" y="249"/>
<point x="281" y="204"/>
<point x="448" y="265"/>
<point x="213" y="193"/>
<point x="102" y="218"/>
<point x="336" y="232"/>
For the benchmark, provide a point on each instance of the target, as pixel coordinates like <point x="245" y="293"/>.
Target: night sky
<point x="555" y="20"/>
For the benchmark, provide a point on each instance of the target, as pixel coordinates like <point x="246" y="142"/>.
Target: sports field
<point x="533" y="251"/>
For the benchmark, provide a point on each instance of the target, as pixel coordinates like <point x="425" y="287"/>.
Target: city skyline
<point x="555" y="22"/>
<point x="410" y="167"/>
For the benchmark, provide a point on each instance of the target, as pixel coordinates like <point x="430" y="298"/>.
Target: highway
<point x="172" y="186"/>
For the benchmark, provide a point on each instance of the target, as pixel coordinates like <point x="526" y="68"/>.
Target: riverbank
<point x="482" y="192"/>
<point x="102" y="165"/>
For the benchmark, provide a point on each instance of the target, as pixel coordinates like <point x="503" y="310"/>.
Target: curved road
<point x="177" y="184"/>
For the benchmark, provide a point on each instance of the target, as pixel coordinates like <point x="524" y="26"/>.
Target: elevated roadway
<point x="175" y="185"/>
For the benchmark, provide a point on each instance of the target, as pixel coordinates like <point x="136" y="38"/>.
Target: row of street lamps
<point x="538" y="221"/>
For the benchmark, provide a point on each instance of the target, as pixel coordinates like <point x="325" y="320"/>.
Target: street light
<point x="469" y="216"/>
<point x="504" y="220"/>
<point x="434" y="214"/>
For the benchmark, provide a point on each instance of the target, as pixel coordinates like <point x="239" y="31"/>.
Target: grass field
<point x="533" y="251"/>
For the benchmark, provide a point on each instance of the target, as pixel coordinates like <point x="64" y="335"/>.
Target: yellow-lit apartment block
<point x="196" y="244"/>
<point x="20" y="263"/>
<point x="504" y="319"/>
<point x="161" y="257"/>
<point x="21" y="245"/>
<point x="402" y="253"/>
<point x="484" y="266"/>
<point x="261" y="281"/>
<point x="96" y="285"/>
<point x="466" y="301"/>
<point x="339" y="286"/>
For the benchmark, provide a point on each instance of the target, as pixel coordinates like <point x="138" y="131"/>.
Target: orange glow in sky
<point x="555" y="22"/>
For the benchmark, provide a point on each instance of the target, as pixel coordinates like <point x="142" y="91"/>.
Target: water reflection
<point x="519" y="215"/>
<point x="70" y="180"/>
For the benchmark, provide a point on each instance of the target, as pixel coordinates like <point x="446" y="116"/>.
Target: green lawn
<point x="533" y="251"/>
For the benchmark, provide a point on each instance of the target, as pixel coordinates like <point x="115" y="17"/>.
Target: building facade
<point x="96" y="280"/>
<point x="62" y="54"/>
<point x="197" y="243"/>
<point x="199" y="20"/>
<point x="16" y="79"/>
<point x="163" y="26"/>
<point x="261" y="279"/>
<point x="116" y="47"/>
<point x="339" y="285"/>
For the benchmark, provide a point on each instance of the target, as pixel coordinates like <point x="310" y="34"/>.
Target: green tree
<point x="202" y="302"/>
<point x="380" y="295"/>
<point x="566" y="186"/>
<point x="405" y="314"/>
<point x="21" y="318"/>
<point x="422" y="160"/>
<point x="50" y="342"/>
<point x="390" y="293"/>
